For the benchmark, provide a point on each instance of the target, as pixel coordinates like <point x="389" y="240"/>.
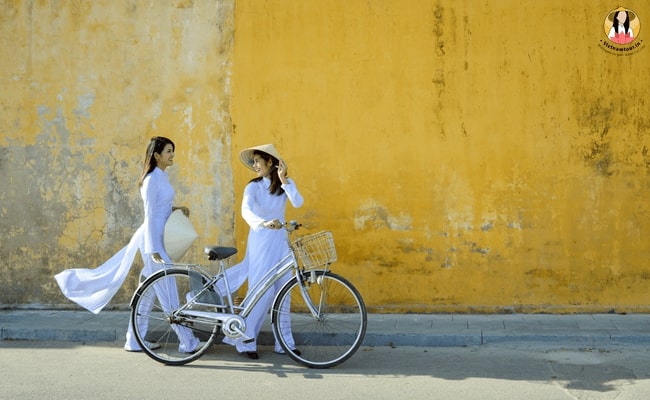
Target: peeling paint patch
<point x="84" y="104"/>
<point x="450" y="260"/>
<point x="374" y="215"/>
<point x="475" y="248"/>
<point x="610" y="138"/>
<point x="187" y="114"/>
<point x="514" y="225"/>
<point x="487" y="226"/>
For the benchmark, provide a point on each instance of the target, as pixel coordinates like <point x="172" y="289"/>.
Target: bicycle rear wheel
<point x="170" y="340"/>
<point x="331" y="335"/>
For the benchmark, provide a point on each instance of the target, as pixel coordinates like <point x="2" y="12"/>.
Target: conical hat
<point x="246" y="155"/>
<point x="630" y="14"/>
<point x="179" y="235"/>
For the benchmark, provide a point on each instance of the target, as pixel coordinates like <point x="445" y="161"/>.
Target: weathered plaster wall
<point x="85" y="84"/>
<point x="468" y="155"/>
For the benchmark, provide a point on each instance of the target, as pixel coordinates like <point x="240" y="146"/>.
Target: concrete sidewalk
<point x="424" y="330"/>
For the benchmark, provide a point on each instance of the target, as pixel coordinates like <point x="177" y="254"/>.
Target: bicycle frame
<point x="276" y="273"/>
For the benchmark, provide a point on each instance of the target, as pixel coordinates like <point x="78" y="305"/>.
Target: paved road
<point x="68" y="370"/>
<point x="57" y="354"/>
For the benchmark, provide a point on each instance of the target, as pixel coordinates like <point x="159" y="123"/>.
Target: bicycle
<point x="323" y="311"/>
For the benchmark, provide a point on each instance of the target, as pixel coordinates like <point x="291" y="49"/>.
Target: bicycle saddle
<point x="219" y="252"/>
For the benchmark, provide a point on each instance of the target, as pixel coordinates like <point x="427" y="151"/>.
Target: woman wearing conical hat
<point x="621" y="31"/>
<point x="263" y="208"/>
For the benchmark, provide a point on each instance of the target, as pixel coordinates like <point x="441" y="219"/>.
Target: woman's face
<point x="621" y="17"/>
<point x="166" y="158"/>
<point x="261" y="166"/>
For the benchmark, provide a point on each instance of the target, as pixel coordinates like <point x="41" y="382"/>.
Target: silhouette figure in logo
<point x="621" y="32"/>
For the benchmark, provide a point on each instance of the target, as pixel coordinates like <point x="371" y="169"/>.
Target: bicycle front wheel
<point x="326" y="324"/>
<point x="169" y="339"/>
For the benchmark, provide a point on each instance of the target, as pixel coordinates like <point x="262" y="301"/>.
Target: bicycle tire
<point x="160" y="294"/>
<point x="325" y="340"/>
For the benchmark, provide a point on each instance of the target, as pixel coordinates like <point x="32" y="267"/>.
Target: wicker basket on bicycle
<point x="315" y="251"/>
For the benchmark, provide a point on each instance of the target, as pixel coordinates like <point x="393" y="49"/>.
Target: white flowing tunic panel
<point x="94" y="288"/>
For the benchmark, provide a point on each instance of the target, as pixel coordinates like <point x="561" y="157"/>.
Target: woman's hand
<point x="185" y="210"/>
<point x="275" y="224"/>
<point x="282" y="171"/>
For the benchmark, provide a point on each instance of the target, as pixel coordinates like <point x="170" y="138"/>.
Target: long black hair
<point x="626" y="24"/>
<point x="276" y="184"/>
<point x="156" y="145"/>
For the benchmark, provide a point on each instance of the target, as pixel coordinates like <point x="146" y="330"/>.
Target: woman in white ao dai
<point x="263" y="208"/>
<point x="94" y="288"/>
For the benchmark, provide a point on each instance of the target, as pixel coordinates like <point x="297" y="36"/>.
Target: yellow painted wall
<point x="85" y="84"/>
<point x="472" y="156"/>
<point x="468" y="155"/>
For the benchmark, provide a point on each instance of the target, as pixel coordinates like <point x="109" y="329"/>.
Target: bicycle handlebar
<point x="291" y="226"/>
